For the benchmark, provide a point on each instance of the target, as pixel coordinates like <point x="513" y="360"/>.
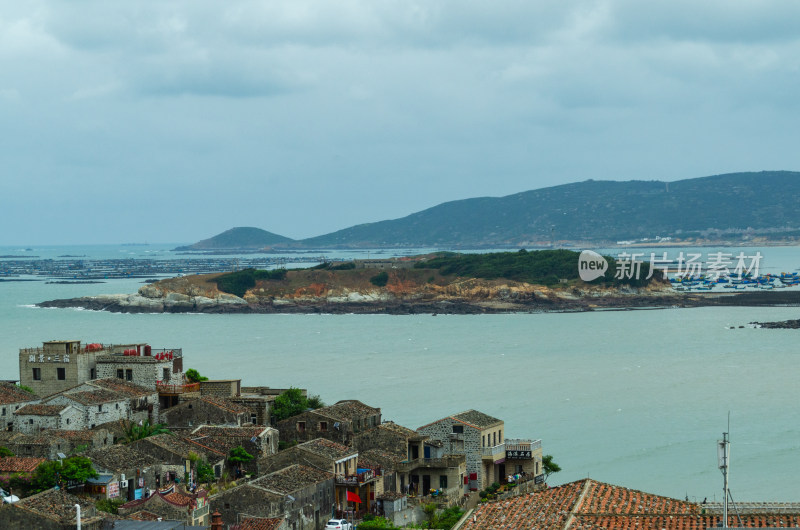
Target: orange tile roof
<point x="10" y="393"/>
<point x="260" y="523"/>
<point x="20" y="464"/>
<point x="591" y="505"/>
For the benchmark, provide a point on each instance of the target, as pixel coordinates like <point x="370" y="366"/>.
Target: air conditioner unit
<point x="122" y="477"/>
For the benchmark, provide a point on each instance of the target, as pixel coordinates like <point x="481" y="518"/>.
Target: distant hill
<point x="718" y="207"/>
<point x="239" y="238"/>
<point x="768" y="202"/>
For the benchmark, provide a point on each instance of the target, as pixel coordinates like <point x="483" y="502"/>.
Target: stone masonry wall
<point x="442" y="429"/>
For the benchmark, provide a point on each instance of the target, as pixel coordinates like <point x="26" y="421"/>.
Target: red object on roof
<point x="352" y="497"/>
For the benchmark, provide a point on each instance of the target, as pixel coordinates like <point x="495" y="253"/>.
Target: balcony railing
<point x="495" y="452"/>
<point x="431" y="463"/>
<point x="165" y="388"/>
<point x="356" y="480"/>
<point x="520" y="444"/>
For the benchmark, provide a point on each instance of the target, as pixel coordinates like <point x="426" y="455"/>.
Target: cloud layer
<point x="183" y="119"/>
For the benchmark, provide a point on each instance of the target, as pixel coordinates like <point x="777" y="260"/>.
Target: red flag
<point x="352" y="497"/>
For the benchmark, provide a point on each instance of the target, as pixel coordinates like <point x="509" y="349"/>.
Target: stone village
<point x="225" y="462"/>
<point x="342" y="460"/>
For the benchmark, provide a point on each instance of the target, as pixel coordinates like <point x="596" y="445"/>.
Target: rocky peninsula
<point x="406" y="291"/>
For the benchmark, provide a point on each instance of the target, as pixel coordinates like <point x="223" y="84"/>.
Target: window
<point x="301" y="426"/>
<point x="67" y="421"/>
<point x="100" y="408"/>
<point x="117" y="405"/>
<point x="4" y="411"/>
<point x="165" y="373"/>
<point x="459" y="429"/>
<point x="62" y="373"/>
<point x="92" y="374"/>
<point x="323" y="426"/>
<point x="37" y="374"/>
<point x="30" y="421"/>
<point x="253" y="419"/>
<point x="120" y="374"/>
<point x="129" y="374"/>
<point x="443" y="481"/>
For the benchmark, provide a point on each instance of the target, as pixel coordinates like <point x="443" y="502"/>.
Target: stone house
<point x="339" y="422"/>
<point x="205" y="410"/>
<point x="479" y="437"/>
<point x="258" y="440"/>
<point x="144" y="370"/>
<point x="96" y="406"/>
<point x="174" y="504"/>
<point x="131" y="471"/>
<point x="32" y="419"/>
<point x="177" y="451"/>
<point x="12" y="398"/>
<point x="302" y="495"/>
<point x="80" y="440"/>
<point x="263" y="523"/>
<point x="143" y="400"/>
<point x="339" y="460"/>
<point x="50" y="510"/>
<point x="434" y="472"/>
<point x="37" y="445"/>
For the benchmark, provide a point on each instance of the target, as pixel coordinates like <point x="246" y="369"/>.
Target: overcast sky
<point x="174" y="121"/>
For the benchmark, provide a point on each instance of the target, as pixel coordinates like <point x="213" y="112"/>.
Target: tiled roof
<point x="218" y="444"/>
<point x="405" y="432"/>
<point x="123" y="387"/>
<point x="292" y="478"/>
<point x="176" y="445"/>
<point x="260" y="523"/>
<point x="327" y="448"/>
<point x="226" y="404"/>
<point x="20" y="438"/>
<point x="176" y="498"/>
<point x="347" y="410"/>
<point x="246" y="431"/>
<point x="375" y="458"/>
<point x="144" y="515"/>
<point x="390" y="495"/>
<point x="59" y="506"/>
<point x="41" y="410"/>
<point x="94" y="397"/>
<point x="20" y="464"/>
<point x="121" y="458"/>
<point x="591" y="505"/>
<point x="83" y="436"/>
<point x="10" y="393"/>
<point x="477" y="419"/>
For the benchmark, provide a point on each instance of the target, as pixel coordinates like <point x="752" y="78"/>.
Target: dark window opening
<point x="129" y="374"/>
<point x="37" y="374"/>
<point x="458" y="429"/>
<point x="62" y="373"/>
<point x="120" y="374"/>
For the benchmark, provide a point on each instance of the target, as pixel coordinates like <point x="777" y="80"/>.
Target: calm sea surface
<point x="635" y="398"/>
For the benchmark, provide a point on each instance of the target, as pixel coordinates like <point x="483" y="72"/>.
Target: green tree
<point x="380" y="279"/>
<point x="549" y="466"/>
<point x="135" y="432"/>
<point x="205" y="473"/>
<point x="194" y="376"/>
<point x="27" y="389"/>
<point x="290" y="403"/>
<point x="315" y="402"/>
<point x="5" y="451"/>
<point x="239" y="456"/>
<point x="75" y="469"/>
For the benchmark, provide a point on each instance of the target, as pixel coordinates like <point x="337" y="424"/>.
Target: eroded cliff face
<point x="327" y="289"/>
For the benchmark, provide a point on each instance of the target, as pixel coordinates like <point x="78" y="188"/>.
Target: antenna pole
<point x="724" y="447"/>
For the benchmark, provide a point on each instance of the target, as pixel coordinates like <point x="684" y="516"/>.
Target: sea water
<point x="635" y="398"/>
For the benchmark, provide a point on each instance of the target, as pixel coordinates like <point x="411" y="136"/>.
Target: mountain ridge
<point x="735" y="205"/>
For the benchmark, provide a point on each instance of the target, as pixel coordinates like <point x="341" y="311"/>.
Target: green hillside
<point x="239" y="238"/>
<point x="768" y="202"/>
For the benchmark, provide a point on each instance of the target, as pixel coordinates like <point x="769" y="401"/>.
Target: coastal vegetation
<point x="135" y="432"/>
<point x="541" y="267"/>
<point x="194" y="376"/>
<point x="77" y="469"/>
<point x="549" y="466"/>
<point x="292" y="402"/>
<point x="239" y="282"/>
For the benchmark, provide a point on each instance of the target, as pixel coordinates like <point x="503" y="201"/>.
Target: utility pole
<point x="723" y="455"/>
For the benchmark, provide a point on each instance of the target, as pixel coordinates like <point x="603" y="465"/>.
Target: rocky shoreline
<point x="786" y="324"/>
<point x="226" y="303"/>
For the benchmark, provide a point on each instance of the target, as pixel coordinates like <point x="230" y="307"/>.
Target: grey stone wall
<point x="95" y="414"/>
<point x="471" y="447"/>
<point x="78" y="368"/>
<point x="314" y="426"/>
